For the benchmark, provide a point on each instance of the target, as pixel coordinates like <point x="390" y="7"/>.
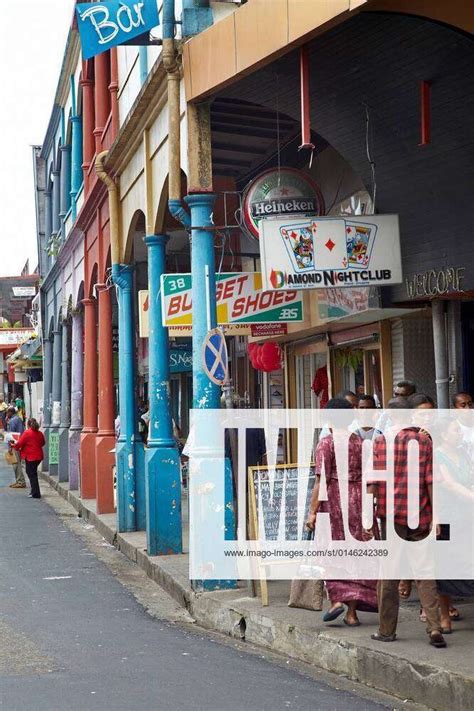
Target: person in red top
<point x="30" y="445"/>
<point x="387" y="590"/>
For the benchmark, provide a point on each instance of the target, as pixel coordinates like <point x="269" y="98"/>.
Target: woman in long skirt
<point x="353" y="594"/>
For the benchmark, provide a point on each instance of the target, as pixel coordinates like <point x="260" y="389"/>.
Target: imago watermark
<point x="332" y="494"/>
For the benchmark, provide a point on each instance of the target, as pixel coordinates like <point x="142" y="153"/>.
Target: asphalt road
<point x="72" y="636"/>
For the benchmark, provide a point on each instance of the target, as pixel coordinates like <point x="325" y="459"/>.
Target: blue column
<point x="56" y="202"/>
<point x="125" y="449"/>
<point x="48" y="228"/>
<point x="56" y="390"/>
<point x="76" y="162"/>
<point x="206" y="394"/>
<point x="143" y="58"/>
<point x="163" y="477"/>
<point x="65" y="180"/>
<point x="47" y="385"/>
<point x="63" y="471"/>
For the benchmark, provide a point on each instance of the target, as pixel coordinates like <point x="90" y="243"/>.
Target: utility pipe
<point x="170" y="63"/>
<point x="113" y="206"/>
<point x="440" y="353"/>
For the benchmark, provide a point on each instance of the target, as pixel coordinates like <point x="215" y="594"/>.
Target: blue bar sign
<point x="103" y="25"/>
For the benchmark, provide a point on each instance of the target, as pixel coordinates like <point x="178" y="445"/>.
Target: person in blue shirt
<point x="16" y="425"/>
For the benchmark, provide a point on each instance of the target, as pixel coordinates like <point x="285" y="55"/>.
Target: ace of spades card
<point x="360" y="241"/>
<point x="330" y="246"/>
<point x="299" y="244"/>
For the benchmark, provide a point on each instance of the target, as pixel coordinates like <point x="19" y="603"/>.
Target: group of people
<point x="348" y="596"/>
<point x="25" y="445"/>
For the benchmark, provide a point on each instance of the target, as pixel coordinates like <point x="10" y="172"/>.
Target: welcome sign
<point x="103" y="25"/>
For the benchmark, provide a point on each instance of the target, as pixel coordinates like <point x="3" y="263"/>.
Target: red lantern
<point x="271" y="356"/>
<point x="258" y="358"/>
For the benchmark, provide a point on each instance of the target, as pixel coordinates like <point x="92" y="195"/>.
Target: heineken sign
<point x="280" y="192"/>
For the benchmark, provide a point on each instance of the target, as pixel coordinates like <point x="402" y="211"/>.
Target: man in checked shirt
<point x="387" y="590"/>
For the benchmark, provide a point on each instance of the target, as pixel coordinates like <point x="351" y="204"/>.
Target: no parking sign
<point x="215" y="358"/>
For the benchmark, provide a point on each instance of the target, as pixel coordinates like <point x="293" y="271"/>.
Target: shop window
<point x="306" y="367"/>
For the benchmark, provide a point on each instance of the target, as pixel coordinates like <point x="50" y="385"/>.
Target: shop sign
<point x="338" y="303"/>
<point x="235" y="329"/>
<point x="435" y="282"/>
<point x="113" y="22"/>
<point x="264" y="330"/>
<point x="330" y="252"/>
<point x="23" y="292"/>
<point x="14" y="337"/>
<point x="280" y="192"/>
<point x="181" y="360"/>
<point x="239" y="296"/>
<point x="53" y="448"/>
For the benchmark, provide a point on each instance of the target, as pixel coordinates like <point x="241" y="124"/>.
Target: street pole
<point x="206" y="394"/>
<point x="162" y="466"/>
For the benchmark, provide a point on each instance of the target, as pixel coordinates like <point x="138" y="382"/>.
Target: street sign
<point x="330" y="252"/>
<point x="239" y="297"/>
<point x="113" y="22"/>
<point x="214" y="357"/>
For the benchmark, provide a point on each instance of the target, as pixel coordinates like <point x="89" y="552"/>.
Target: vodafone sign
<point x="280" y="192"/>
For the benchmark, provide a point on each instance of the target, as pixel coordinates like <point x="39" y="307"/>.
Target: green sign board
<point x="54" y="448"/>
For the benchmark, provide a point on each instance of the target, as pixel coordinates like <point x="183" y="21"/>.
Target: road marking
<point x="59" y="577"/>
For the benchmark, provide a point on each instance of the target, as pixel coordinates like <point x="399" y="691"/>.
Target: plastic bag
<point x="10" y="456"/>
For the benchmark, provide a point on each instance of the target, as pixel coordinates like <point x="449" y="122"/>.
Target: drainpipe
<point x="143" y="60"/>
<point x="113" y="206"/>
<point x="440" y="353"/>
<point x="129" y="501"/>
<point x="170" y="63"/>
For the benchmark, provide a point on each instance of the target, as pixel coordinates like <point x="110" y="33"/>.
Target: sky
<point x="33" y="37"/>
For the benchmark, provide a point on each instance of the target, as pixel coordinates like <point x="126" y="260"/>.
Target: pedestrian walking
<point x="30" y="447"/>
<point x="353" y="594"/>
<point x="15" y="426"/>
<point x="388" y="590"/>
<point x="3" y="413"/>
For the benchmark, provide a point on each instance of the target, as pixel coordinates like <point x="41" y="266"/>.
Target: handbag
<point x="306" y="593"/>
<point x="10" y="456"/>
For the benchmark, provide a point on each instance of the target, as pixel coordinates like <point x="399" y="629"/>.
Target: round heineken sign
<point x="280" y="192"/>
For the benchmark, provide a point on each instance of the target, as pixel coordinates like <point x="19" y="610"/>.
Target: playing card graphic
<point x="298" y="240"/>
<point x="360" y="241"/>
<point x="329" y="240"/>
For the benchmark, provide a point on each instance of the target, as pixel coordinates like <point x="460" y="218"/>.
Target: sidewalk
<point x="408" y="668"/>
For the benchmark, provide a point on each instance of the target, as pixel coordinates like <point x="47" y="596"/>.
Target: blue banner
<point x="103" y="25"/>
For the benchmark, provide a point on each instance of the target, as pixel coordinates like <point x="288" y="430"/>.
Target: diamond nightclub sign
<point x="327" y="252"/>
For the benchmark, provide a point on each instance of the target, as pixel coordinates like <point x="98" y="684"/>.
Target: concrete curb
<point x="238" y="617"/>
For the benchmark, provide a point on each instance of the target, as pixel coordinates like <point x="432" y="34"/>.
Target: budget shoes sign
<point x="108" y="24"/>
<point x="240" y="300"/>
<point x="326" y="252"/>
